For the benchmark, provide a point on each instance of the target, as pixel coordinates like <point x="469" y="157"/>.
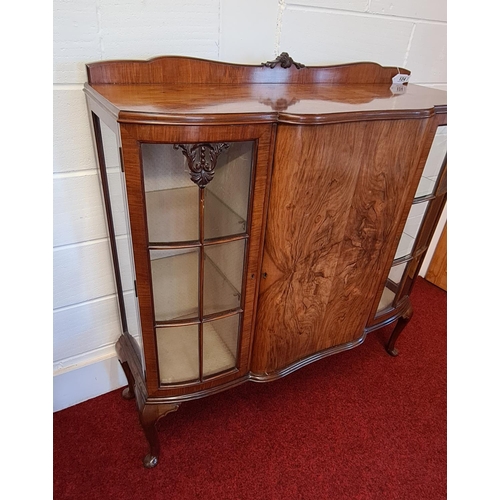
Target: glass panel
<point x="123" y="242"/>
<point x="226" y="196"/>
<point x="410" y="231"/>
<point x="392" y="285"/>
<point x="178" y="357"/>
<point x="172" y="199"/>
<point x="434" y="163"/>
<point x="175" y="283"/>
<point x="223" y="275"/>
<point x="396" y="273"/>
<point x="220" y="344"/>
<point x="132" y="313"/>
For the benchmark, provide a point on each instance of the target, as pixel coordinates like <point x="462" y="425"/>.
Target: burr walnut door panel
<point x="339" y="197"/>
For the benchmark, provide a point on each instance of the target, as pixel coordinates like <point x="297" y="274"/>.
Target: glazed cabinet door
<point x="426" y="206"/>
<point x="197" y="203"/>
<point x="107" y="143"/>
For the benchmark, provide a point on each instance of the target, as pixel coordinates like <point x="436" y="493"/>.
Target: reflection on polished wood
<point x="309" y="103"/>
<point x="188" y="90"/>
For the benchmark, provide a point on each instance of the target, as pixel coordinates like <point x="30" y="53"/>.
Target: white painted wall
<point x="407" y="33"/>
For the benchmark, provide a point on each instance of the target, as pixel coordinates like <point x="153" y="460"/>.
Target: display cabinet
<point x="260" y="217"/>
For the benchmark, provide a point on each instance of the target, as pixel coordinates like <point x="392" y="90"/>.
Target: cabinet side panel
<point x="338" y="194"/>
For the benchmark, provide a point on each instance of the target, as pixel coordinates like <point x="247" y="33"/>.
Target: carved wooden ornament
<point x="202" y="168"/>
<point x="284" y="60"/>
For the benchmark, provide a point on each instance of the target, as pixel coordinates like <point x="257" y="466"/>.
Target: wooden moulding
<point x="177" y="90"/>
<point x="191" y="70"/>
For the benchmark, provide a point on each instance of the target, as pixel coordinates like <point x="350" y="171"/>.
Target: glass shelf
<point x="173" y="199"/>
<point x="223" y="275"/>
<point x="176" y="275"/>
<point x="178" y="350"/>
<point x="220" y="345"/>
<point x="173" y="215"/>
<point x="175" y="283"/>
<point x="178" y="354"/>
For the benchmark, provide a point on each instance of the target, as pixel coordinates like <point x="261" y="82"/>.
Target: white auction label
<point x="399" y="78"/>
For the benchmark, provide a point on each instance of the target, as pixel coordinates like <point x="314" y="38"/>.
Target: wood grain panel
<point x="327" y="242"/>
<point x="249" y="103"/>
<point x="190" y="70"/>
<point x="306" y="224"/>
<point x="386" y="185"/>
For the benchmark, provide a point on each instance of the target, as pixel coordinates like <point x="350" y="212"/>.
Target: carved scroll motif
<point x="202" y="167"/>
<point x="284" y="60"/>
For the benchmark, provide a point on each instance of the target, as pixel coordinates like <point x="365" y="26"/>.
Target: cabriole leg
<point x="149" y="416"/>
<point x="400" y="326"/>
<point x="128" y="392"/>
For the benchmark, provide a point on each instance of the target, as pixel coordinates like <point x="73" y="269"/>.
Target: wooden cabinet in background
<point x="260" y="217"/>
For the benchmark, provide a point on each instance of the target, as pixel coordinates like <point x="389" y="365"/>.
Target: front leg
<point x="149" y="416"/>
<point x="400" y="326"/>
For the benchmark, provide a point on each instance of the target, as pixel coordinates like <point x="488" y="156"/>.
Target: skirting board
<point x="86" y="382"/>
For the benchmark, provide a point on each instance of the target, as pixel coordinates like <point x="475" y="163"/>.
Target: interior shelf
<point x="178" y="353"/>
<point x="175" y="286"/>
<point x="173" y="215"/>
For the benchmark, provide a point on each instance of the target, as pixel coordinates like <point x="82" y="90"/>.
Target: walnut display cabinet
<point x="260" y="217"/>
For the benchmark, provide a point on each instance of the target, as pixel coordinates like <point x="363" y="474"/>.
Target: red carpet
<point x="357" y="425"/>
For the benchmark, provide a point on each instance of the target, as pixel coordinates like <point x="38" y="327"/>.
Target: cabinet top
<point x="184" y="90"/>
